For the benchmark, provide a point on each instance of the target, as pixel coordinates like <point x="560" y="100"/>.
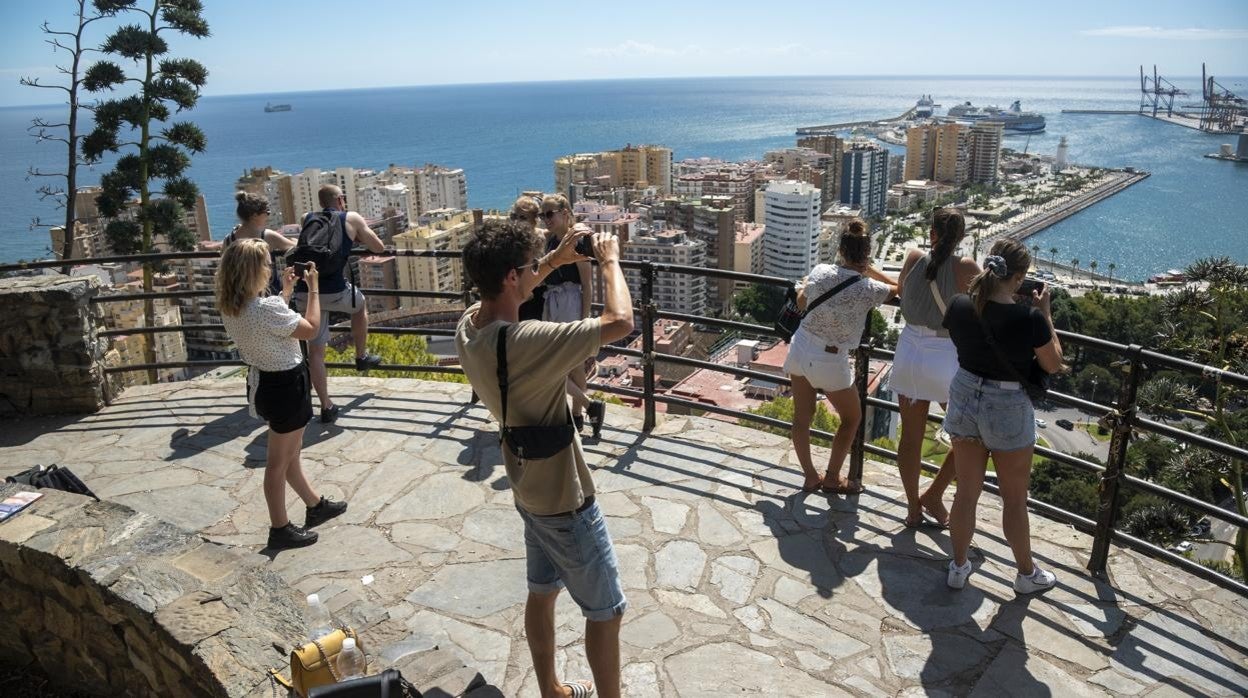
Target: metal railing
<point x="1122" y="417"/>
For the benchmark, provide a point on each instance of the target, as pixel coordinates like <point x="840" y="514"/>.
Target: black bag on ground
<point x="536" y="442"/>
<point x="53" y="477"/>
<point x="388" y="684"/>
<point x="320" y="241"/>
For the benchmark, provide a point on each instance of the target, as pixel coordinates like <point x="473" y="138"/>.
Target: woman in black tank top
<point x="253" y="217"/>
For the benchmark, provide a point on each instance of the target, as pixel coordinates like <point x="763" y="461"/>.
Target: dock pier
<point x="831" y="129"/>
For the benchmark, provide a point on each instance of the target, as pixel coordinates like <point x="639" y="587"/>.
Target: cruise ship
<point x="1015" y="119"/>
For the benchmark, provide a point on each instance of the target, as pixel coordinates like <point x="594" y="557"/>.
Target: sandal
<point x="846" y="488"/>
<point x="579" y="689"/>
<point x="926" y="521"/>
<point x="808" y="489"/>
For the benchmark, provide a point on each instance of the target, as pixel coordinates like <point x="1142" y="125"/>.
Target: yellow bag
<point x="313" y="664"/>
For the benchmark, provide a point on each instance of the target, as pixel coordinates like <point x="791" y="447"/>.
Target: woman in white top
<point x="819" y="353"/>
<point x="926" y="360"/>
<point x="253" y="223"/>
<point x="267" y="333"/>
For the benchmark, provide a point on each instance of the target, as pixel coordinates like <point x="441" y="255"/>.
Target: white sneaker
<point x="957" y="575"/>
<point x="1038" y="580"/>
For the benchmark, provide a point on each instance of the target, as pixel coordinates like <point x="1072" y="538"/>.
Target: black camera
<point x="300" y="268"/>
<point x="585" y="246"/>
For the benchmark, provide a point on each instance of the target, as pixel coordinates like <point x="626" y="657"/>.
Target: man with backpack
<point x="326" y="239"/>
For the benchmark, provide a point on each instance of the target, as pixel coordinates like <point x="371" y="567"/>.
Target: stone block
<point x="196" y="616"/>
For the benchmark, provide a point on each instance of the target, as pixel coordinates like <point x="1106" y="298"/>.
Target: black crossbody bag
<point x="529" y="442"/>
<point x="1037" y="388"/>
<point x="791" y="318"/>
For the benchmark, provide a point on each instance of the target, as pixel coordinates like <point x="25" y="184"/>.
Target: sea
<point x="506" y="136"/>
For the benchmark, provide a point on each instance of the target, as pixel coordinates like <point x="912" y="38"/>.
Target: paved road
<point x="1224" y="533"/>
<point x="1071" y="442"/>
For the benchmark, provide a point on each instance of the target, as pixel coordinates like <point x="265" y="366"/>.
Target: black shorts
<point x="284" y="398"/>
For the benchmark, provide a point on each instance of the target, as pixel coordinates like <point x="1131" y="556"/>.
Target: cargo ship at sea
<point x="1015" y="119"/>
<point x="270" y="108"/>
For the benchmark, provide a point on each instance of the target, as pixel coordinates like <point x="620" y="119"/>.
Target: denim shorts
<point x="997" y="413"/>
<point x="574" y="551"/>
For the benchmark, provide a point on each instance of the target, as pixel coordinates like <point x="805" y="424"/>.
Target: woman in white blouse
<point x="267" y="333"/>
<point x="819" y="353"/>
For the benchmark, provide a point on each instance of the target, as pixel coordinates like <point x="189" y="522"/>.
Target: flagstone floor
<point x="737" y="583"/>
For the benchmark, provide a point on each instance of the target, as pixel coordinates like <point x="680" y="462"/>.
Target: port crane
<point x="1157" y="91"/>
<point x="1222" y="111"/>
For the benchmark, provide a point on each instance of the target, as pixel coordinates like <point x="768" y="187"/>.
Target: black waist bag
<point x="388" y="684"/>
<point x="535" y="442"/>
<point x="53" y="477"/>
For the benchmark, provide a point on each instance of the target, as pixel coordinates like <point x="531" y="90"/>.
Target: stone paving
<point x="737" y="583"/>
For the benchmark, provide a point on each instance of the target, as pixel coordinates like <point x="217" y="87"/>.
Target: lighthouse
<point x="1060" y="163"/>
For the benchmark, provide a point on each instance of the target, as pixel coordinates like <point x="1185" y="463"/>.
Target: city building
<point x="376" y="272"/>
<point x="199" y="274"/>
<point x="985" y="149"/>
<point x="130" y="349"/>
<point x="438" y="231"/>
<point x="864" y="178"/>
<point x="747" y="256"/>
<point x="711" y="219"/>
<point x="896" y="168"/>
<point x="390" y="193"/>
<point x="607" y="218"/>
<point x="1063" y="153"/>
<point x="90" y="239"/>
<point x="938" y="152"/>
<point x="631" y="167"/>
<point x="681" y="293"/>
<point x="791" y="238"/>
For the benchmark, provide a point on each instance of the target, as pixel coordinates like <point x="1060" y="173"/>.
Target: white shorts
<point x="809" y="358"/>
<point x="924" y="366"/>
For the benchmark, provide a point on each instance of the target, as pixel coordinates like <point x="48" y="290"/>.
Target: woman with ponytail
<point x="926" y="360"/>
<point x="819" y="352"/>
<point x="1000" y="342"/>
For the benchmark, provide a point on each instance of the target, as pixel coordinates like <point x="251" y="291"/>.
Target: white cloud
<point x="638" y="49"/>
<point x="1145" y="32"/>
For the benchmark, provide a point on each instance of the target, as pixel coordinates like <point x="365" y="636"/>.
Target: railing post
<point x="856" y="452"/>
<point x="1120" y="422"/>
<point x="647" y="343"/>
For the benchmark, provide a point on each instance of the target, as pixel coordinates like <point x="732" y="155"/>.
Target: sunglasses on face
<point x="547" y="215"/>
<point x="533" y="266"/>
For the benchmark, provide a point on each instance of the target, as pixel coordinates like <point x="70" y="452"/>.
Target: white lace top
<point x="840" y="319"/>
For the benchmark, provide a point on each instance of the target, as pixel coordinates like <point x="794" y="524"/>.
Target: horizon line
<point x="966" y="76"/>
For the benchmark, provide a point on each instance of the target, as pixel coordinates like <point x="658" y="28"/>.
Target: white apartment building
<point x="791" y="237"/>
<point x="381" y="199"/>
<point x="681" y="293"/>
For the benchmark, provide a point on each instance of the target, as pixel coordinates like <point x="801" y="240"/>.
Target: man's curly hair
<point x="495" y="250"/>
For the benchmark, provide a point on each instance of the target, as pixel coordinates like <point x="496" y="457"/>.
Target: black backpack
<point x="320" y="241"/>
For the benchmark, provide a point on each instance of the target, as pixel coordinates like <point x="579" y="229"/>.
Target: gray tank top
<point x="917" y="305"/>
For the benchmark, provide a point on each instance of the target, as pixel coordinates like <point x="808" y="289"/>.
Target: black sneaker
<point x="329" y="414"/>
<point x="324" y="510"/>
<point x="290" y="536"/>
<point x="597" y="411"/>
<point x="363" y="363"/>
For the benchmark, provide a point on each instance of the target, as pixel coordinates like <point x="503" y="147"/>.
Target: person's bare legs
<point x="316" y="368"/>
<point x="845" y="402"/>
<point x="359" y="331"/>
<point x="1014" y="476"/>
<point x="803" y="413"/>
<point x="295" y="477"/>
<point x="602" y="650"/>
<point x="910" y="451"/>
<point x="539" y="630"/>
<point x="281" y="450"/>
<point x="933" y="498"/>
<point x="972" y="461"/>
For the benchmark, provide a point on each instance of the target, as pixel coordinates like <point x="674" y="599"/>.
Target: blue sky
<point x="292" y="45"/>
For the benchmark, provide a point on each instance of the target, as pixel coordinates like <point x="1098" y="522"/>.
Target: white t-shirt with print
<point x="840" y="319"/>
<point x="262" y="332"/>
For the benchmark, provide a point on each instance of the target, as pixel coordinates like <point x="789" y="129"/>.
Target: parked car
<point x="1041" y="423"/>
<point x="1182" y="547"/>
<point x="1066" y="424"/>
<point x="1203" y="527"/>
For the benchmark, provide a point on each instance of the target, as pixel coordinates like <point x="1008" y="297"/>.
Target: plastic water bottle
<point x="350" y="661"/>
<point x="319" y="622"/>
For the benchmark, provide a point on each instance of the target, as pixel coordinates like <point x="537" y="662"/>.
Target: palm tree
<point x="1053" y="256"/>
<point x="1112" y="267"/>
<point x="1074" y="265"/>
<point x="1092" y="266"/>
<point x="1035" y="254"/>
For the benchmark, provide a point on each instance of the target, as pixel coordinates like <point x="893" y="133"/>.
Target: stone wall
<point x="113" y="602"/>
<point x="51" y="359"/>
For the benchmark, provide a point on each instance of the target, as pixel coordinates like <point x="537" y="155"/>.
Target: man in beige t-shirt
<point x="566" y="540"/>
